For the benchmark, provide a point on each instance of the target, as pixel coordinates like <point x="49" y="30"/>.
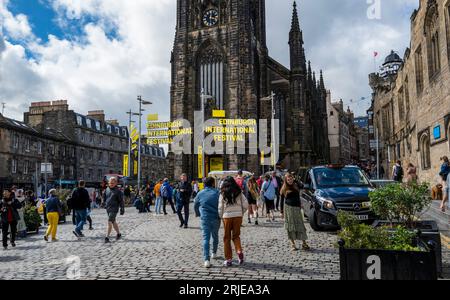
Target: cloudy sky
<point x="101" y="54"/>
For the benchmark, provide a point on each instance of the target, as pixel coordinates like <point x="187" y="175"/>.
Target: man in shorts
<point x="114" y="202"/>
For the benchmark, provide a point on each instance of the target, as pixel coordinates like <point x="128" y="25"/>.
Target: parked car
<point x="328" y="189"/>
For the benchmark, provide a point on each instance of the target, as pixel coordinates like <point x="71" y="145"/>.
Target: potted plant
<point x="63" y="195"/>
<point x="376" y="253"/>
<point x="403" y="205"/>
<point x="32" y="219"/>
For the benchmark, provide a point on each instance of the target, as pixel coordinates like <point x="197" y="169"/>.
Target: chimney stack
<point x="98" y="115"/>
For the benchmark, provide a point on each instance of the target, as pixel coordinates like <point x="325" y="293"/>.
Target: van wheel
<point x="313" y="220"/>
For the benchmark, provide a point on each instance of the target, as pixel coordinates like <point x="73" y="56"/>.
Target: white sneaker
<point x="207" y="264"/>
<point x="214" y="256"/>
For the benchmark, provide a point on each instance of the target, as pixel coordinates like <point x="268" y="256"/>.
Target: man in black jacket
<point x="185" y="195"/>
<point x="114" y="203"/>
<point x="80" y="204"/>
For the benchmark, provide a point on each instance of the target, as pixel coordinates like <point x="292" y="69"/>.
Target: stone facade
<point x="79" y="146"/>
<point x="220" y="48"/>
<point x="411" y="108"/>
<point x="23" y="149"/>
<point x="342" y="133"/>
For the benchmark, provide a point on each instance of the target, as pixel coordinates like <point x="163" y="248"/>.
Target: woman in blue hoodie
<point x="207" y="208"/>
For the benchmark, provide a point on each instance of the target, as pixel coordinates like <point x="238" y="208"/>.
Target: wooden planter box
<point x="365" y="264"/>
<point x="429" y="231"/>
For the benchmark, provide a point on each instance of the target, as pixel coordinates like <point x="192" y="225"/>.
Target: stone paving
<point x="154" y="247"/>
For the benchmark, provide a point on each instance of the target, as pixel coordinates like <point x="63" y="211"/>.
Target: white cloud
<point x="97" y="71"/>
<point x="17" y="27"/>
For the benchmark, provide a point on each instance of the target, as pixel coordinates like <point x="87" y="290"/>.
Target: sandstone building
<point x="411" y="105"/>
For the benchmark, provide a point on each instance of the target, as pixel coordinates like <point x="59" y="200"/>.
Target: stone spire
<point x="321" y="81"/>
<point x="298" y="61"/>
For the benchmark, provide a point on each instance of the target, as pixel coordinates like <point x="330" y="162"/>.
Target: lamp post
<point x="203" y="97"/>
<point x="141" y="102"/>
<point x="271" y="98"/>
<point x="130" y="114"/>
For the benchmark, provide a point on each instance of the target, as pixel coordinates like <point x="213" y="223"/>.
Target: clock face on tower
<point x="210" y="17"/>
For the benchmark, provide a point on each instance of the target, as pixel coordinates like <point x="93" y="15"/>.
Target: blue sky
<point x="40" y="15"/>
<point x="100" y="54"/>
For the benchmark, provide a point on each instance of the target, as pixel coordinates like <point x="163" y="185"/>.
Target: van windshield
<point x="328" y="177"/>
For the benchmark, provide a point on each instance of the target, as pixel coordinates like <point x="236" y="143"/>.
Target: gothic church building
<point x="220" y="48"/>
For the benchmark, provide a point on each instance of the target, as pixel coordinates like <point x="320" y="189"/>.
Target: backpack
<point x="240" y="182"/>
<point x="164" y="192"/>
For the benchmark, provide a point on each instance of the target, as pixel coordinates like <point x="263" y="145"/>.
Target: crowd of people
<point x="224" y="203"/>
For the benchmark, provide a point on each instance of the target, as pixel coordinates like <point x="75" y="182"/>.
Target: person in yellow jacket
<point x="157" y="192"/>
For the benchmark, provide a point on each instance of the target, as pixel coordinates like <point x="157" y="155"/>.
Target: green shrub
<point x="32" y="218"/>
<point x="401" y="202"/>
<point x="362" y="236"/>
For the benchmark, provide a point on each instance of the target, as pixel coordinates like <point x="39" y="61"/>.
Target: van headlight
<point x="327" y="204"/>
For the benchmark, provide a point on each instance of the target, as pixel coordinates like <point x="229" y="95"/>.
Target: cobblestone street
<point x="156" y="248"/>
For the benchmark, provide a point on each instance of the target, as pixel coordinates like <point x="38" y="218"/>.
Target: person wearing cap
<point x="54" y="210"/>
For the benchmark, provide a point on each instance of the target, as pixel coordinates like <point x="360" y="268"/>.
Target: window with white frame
<point x="14" y="166"/>
<point x="26" y="166"/>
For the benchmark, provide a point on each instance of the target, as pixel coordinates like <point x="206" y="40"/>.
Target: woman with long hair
<point x="252" y="197"/>
<point x="293" y="221"/>
<point x="411" y="174"/>
<point x="9" y="217"/>
<point x="232" y="207"/>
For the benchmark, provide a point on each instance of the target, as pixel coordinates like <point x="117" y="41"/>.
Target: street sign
<point x="218" y="114"/>
<point x="152" y="117"/>
<point x="46" y="168"/>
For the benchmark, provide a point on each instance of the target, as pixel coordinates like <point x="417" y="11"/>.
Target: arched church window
<point x="425" y="152"/>
<point x="211" y="75"/>
<point x="432" y="37"/>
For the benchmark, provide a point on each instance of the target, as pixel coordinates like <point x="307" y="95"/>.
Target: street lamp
<point x="204" y="97"/>
<point x="130" y="115"/>
<point x="271" y="98"/>
<point x="141" y="102"/>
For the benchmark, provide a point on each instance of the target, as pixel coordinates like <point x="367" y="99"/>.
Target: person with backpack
<point x="268" y="193"/>
<point x="185" y="193"/>
<point x="240" y="180"/>
<point x="277" y="184"/>
<point x="81" y="203"/>
<point x="9" y="214"/>
<point x="232" y="207"/>
<point x="207" y="208"/>
<point x="167" y="195"/>
<point x="397" y="172"/>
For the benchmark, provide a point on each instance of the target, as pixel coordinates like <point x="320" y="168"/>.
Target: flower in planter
<point x="32" y="218"/>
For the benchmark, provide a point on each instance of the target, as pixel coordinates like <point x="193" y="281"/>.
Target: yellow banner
<point x="135" y="169"/>
<point x="218" y="114"/>
<point x="152" y="117"/>
<point x="262" y="158"/>
<point x="125" y="166"/>
<point x="200" y="162"/>
<point x="216" y="164"/>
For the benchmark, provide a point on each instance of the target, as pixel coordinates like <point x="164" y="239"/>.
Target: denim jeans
<point x="158" y="205"/>
<point x="81" y="217"/>
<point x="210" y="228"/>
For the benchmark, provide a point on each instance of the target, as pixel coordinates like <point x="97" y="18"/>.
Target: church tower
<point x="220" y="49"/>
